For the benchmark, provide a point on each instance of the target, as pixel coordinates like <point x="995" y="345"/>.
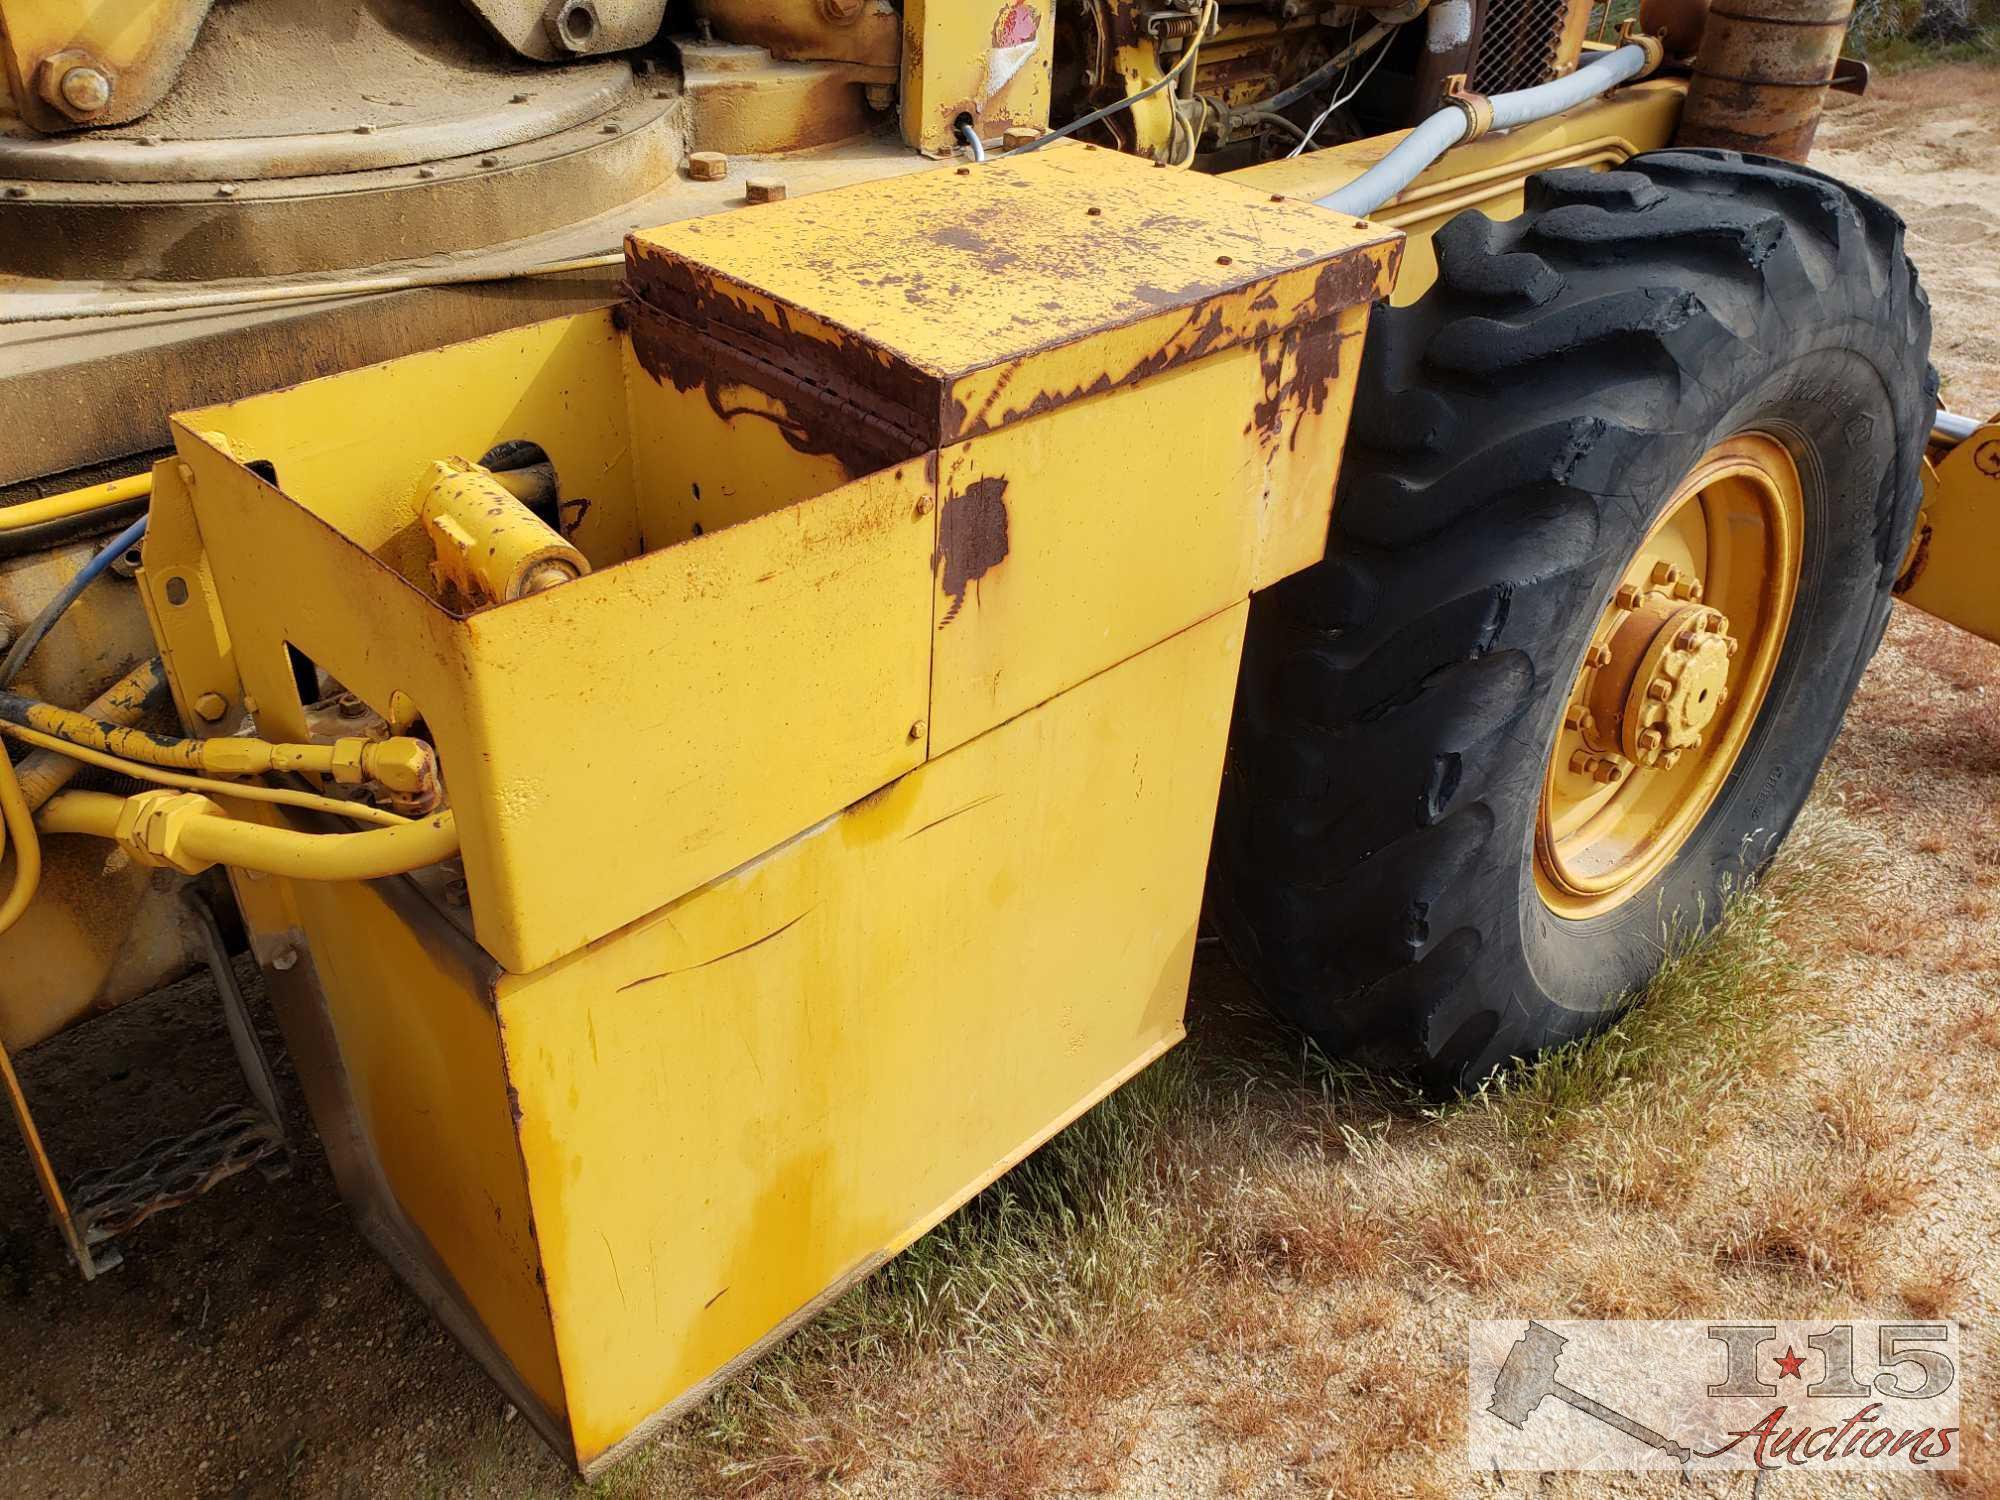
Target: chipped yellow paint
<point x="1003" y="290"/>
<point x="986" y="59"/>
<point x="1207" y="482"/>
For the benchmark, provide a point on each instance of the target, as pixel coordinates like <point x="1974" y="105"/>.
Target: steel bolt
<point x="1665" y="575"/>
<point x="1605" y="772"/>
<point x="917" y="730"/>
<point x="1577" y="717"/>
<point x="1627" y="597"/>
<point x="1651" y="739"/>
<point x="1020" y="135"/>
<point x="1659" y="688"/>
<point x="87" y="91"/>
<point x="707" y="166"/>
<point x="285" y="958"/>
<point x="1597" y="656"/>
<point x="211" y="706"/>
<point x="764" y="189"/>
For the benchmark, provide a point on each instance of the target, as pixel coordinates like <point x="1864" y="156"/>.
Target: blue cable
<point x="45" y="621"/>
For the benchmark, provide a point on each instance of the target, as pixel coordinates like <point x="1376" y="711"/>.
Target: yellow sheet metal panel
<point x="718" y="694"/>
<point x="1951" y="569"/>
<point x="951" y="302"/>
<point x="787" y="1076"/>
<point x="1069" y="541"/>
<point x="420" y="1046"/>
<point x="987" y="60"/>
<point x="1487" y="174"/>
<point x="656" y="724"/>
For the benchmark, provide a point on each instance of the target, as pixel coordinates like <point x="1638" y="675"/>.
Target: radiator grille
<point x="1518" y="45"/>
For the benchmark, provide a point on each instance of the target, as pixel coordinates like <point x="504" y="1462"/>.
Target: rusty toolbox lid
<point x="938" y="305"/>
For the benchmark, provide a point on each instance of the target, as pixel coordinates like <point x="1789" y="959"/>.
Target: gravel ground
<point x="251" y="1345"/>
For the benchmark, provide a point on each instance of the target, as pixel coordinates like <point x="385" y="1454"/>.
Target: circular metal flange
<point x="1673" y="679"/>
<point x="289" y="226"/>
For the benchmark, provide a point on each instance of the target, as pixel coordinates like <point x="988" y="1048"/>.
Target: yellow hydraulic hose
<point x="45" y="773"/>
<point x="76" y="502"/>
<point x="189" y="833"/>
<point x="245" y="791"/>
<point x="16" y="820"/>
<point x="402" y="764"/>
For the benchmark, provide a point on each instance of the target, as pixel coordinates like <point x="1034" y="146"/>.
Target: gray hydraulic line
<point x="1953" y="428"/>
<point x="1445" y="129"/>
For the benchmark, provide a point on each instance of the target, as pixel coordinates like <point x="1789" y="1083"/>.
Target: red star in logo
<point x="1789" y="1364"/>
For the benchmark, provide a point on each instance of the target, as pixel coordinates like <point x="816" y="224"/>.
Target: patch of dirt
<point x="1927" y="142"/>
<point x="252" y="1345"/>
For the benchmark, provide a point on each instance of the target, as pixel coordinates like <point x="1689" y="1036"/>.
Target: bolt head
<point x="1627" y="597"/>
<point x="1659" y="689"/>
<point x="1607" y="772"/>
<point x="1598" y="656"/>
<point x="1576" y="717"/>
<point x="285" y="958"/>
<point x="1651" y="739"/>
<point x="707" y="166"/>
<point x="917" y="730"/>
<point x="1665" y="575"/>
<point x="87" y="91"/>
<point x="764" y="189"/>
<point x="211" y="706"/>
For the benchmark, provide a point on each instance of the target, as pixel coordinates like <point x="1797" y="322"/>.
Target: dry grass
<point x="1228" y="1235"/>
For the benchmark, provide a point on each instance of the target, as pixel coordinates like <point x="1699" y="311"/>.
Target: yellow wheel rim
<point x="1674" y="678"/>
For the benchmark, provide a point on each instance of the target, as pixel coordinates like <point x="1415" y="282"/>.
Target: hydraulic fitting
<point x="490" y="548"/>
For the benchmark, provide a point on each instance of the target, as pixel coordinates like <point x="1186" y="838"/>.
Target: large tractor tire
<point x="1625" y="494"/>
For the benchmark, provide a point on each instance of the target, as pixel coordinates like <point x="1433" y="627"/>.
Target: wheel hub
<point x="1673" y="677"/>
<point x="1649" y="691"/>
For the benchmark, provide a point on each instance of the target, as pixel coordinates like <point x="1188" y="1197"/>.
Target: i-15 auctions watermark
<point x="1576" y="1394"/>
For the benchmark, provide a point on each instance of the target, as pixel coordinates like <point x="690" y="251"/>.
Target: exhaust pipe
<point x="1761" y="75"/>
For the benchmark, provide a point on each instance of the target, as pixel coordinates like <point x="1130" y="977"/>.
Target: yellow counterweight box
<point x="833" y="821"/>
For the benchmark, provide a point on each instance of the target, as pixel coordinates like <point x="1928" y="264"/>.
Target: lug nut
<point x="1659" y="689"/>
<point x="1606" y="772"/>
<point x="764" y="189"/>
<point x="707" y="166"/>
<point x="1651" y="740"/>
<point x="1597" y="656"/>
<point x="1627" y="597"/>
<point x="1577" y="717"/>
<point x="1665" y="575"/>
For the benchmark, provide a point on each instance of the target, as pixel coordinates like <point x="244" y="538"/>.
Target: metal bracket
<point x="1477" y="108"/>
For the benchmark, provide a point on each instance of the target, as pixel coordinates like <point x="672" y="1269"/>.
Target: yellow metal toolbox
<point x="839" y="834"/>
